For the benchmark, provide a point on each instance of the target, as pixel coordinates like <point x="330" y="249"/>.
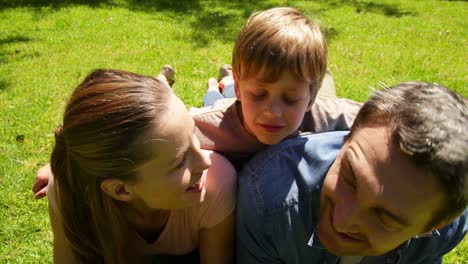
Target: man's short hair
<point x="429" y="124"/>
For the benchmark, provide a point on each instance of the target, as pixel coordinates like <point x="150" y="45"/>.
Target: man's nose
<point x="347" y="217"/>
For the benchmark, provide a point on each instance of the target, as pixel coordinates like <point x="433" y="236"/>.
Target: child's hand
<point x="40" y="182"/>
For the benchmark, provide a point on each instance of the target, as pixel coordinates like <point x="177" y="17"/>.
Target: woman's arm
<point x="62" y="250"/>
<point x="217" y="243"/>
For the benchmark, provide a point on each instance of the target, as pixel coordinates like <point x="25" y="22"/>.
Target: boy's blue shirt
<point x="278" y="208"/>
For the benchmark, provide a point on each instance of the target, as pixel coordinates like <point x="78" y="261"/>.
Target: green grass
<point x="47" y="47"/>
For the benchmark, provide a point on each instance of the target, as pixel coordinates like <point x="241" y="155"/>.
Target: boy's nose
<point x="274" y="108"/>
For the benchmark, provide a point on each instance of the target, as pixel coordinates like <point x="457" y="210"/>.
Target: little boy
<point x="279" y="62"/>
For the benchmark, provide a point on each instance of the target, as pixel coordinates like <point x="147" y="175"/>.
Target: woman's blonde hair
<point x="104" y="119"/>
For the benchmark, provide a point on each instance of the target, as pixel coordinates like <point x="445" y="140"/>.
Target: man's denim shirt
<point x="278" y="208"/>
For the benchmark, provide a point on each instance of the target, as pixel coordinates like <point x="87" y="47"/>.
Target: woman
<point x="130" y="180"/>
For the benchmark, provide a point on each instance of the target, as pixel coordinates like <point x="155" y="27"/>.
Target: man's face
<point x="373" y="198"/>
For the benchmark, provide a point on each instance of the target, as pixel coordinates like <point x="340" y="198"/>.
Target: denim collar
<point x="315" y="243"/>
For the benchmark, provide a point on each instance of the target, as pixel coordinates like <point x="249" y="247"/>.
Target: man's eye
<point x="349" y="182"/>
<point x="345" y="170"/>
<point x="386" y="222"/>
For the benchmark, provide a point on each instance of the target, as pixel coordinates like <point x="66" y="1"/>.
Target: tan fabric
<point x="219" y="127"/>
<point x="328" y="114"/>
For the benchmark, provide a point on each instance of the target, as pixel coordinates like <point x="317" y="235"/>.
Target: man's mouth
<point x="344" y="236"/>
<point x="351" y="238"/>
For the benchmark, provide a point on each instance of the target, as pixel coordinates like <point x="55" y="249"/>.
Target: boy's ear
<point x="236" y="86"/>
<point x="117" y="189"/>
<point x="313" y="95"/>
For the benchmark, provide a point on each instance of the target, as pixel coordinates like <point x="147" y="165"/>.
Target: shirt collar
<point x="432" y="234"/>
<point x="315" y="243"/>
<point x="406" y="244"/>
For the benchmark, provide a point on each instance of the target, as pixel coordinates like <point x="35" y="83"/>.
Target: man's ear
<point x="236" y="86"/>
<point x="439" y="226"/>
<point x="117" y="189"/>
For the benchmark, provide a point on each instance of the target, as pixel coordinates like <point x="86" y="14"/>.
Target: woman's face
<point x="174" y="177"/>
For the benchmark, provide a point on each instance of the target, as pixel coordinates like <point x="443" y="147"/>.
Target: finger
<point x="39" y="184"/>
<point x="40" y="194"/>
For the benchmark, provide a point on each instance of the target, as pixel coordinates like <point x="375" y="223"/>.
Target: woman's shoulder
<point x="219" y="163"/>
<point x="221" y="176"/>
<point x="220" y="184"/>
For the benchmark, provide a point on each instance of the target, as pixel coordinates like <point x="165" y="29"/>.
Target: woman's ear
<point x="117" y="189"/>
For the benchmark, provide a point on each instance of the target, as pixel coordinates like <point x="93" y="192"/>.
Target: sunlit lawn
<point x="47" y="47"/>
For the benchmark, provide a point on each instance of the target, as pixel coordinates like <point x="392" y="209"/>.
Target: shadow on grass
<point x="12" y="39"/>
<point x="3" y="85"/>
<point x="143" y="5"/>
<point x="207" y="23"/>
<point x="56" y="4"/>
<point x="391" y="10"/>
<point x="224" y="23"/>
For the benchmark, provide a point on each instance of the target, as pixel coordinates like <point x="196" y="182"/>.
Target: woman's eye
<point x="181" y="163"/>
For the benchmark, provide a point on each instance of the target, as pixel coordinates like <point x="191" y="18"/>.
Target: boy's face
<point x="374" y="198"/>
<point x="272" y="111"/>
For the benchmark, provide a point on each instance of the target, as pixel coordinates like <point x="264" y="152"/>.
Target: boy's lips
<point x="271" y="128"/>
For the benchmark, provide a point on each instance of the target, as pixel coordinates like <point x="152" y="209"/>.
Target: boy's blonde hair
<point x="278" y="40"/>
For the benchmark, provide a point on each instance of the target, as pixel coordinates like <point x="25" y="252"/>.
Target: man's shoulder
<point x="303" y="147"/>
<point x="277" y="176"/>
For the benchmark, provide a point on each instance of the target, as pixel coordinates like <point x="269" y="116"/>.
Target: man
<point x="393" y="190"/>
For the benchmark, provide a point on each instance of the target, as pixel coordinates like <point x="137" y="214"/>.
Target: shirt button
<point x="389" y="260"/>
